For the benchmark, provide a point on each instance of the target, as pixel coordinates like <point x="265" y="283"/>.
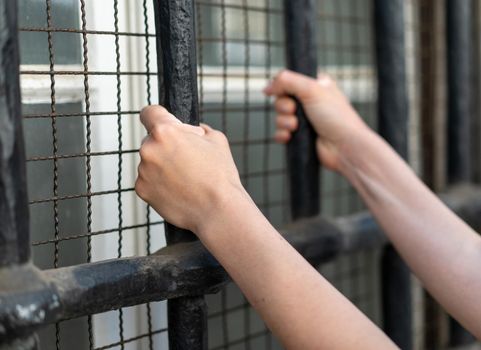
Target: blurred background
<point x="97" y="68"/>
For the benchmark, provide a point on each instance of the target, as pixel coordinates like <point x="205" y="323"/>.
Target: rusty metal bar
<point x="17" y="276"/>
<point x="178" y="270"/>
<point x="14" y="230"/>
<point x="433" y="112"/>
<point x="459" y="73"/>
<point x="177" y="67"/>
<point x="302" y="161"/>
<point x="393" y="114"/>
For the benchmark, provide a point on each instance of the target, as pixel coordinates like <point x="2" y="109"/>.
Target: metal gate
<point x="101" y="271"/>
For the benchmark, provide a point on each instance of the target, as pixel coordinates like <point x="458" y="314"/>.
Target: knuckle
<point x="140" y="188"/>
<point x="221" y="136"/>
<point x="146" y="153"/>
<point x="282" y="75"/>
<point x="325" y="80"/>
<point x="161" y="131"/>
<point x="152" y="108"/>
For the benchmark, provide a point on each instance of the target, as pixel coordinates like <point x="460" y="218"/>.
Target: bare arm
<point x="194" y="166"/>
<point x="440" y="248"/>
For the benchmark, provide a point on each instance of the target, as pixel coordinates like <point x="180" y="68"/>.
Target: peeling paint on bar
<point x="177" y="67"/>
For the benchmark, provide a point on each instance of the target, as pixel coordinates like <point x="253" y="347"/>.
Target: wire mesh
<point x="82" y="88"/>
<point x="87" y="69"/>
<point x="239" y="63"/>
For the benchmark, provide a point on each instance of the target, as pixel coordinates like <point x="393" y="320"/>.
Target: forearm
<point x="440" y="248"/>
<point x="294" y="300"/>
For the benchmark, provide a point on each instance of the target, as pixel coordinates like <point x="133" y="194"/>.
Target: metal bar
<point x="458" y="36"/>
<point x="458" y="44"/>
<point x="433" y="113"/>
<point x="178" y="270"/>
<point x="393" y="112"/>
<point x="476" y="92"/>
<point x="14" y="230"/>
<point x="20" y="315"/>
<point x="302" y="161"/>
<point x="175" y="29"/>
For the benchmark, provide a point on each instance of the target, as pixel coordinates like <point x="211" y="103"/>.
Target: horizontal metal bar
<point x="31" y="298"/>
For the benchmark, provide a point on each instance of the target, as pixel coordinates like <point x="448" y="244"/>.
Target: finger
<point x="285" y="105"/>
<point x="154" y="114"/>
<point x="287" y="122"/>
<point x="290" y="83"/>
<point x="282" y="136"/>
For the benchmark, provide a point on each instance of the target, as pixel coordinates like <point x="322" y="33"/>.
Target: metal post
<point x="458" y="44"/>
<point x="433" y="112"/>
<point x="177" y="67"/>
<point x="476" y="92"/>
<point x="14" y="230"/>
<point x="393" y="112"/>
<point x="14" y="214"/>
<point x="458" y="36"/>
<point x="302" y="161"/>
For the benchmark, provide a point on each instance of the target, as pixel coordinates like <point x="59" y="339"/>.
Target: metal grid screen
<point x="240" y="47"/>
<point x="89" y="66"/>
<point x="86" y="71"/>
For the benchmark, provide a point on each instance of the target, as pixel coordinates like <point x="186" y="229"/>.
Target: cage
<point x="87" y="68"/>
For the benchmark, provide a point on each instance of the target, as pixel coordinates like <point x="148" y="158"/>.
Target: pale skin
<point x="189" y="177"/>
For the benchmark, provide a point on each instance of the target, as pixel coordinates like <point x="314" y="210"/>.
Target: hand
<point x="186" y="172"/>
<point x="326" y="107"/>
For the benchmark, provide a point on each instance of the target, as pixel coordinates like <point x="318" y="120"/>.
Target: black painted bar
<point x="393" y="116"/>
<point x="178" y="270"/>
<point x="302" y="162"/>
<point x="177" y="67"/>
<point x="14" y="213"/>
<point x="458" y="45"/>
<point x="14" y="230"/>
<point x="459" y="84"/>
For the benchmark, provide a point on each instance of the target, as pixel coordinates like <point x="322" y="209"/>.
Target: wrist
<point x="227" y="200"/>
<point x="353" y="150"/>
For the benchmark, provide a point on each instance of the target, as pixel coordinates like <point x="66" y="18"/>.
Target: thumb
<point x="155" y="114"/>
<point x="291" y="83"/>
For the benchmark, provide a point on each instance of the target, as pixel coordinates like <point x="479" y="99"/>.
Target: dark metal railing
<point x="183" y="272"/>
<point x="393" y="116"/>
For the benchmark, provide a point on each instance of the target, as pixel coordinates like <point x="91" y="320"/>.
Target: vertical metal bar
<point x="393" y="111"/>
<point x="458" y="30"/>
<point x="302" y="161"/>
<point x="177" y="66"/>
<point x="433" y="110"/>
<point x="458" y="45"/>
<point x="14" y="214"/>
<point x="476" y="92"/>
